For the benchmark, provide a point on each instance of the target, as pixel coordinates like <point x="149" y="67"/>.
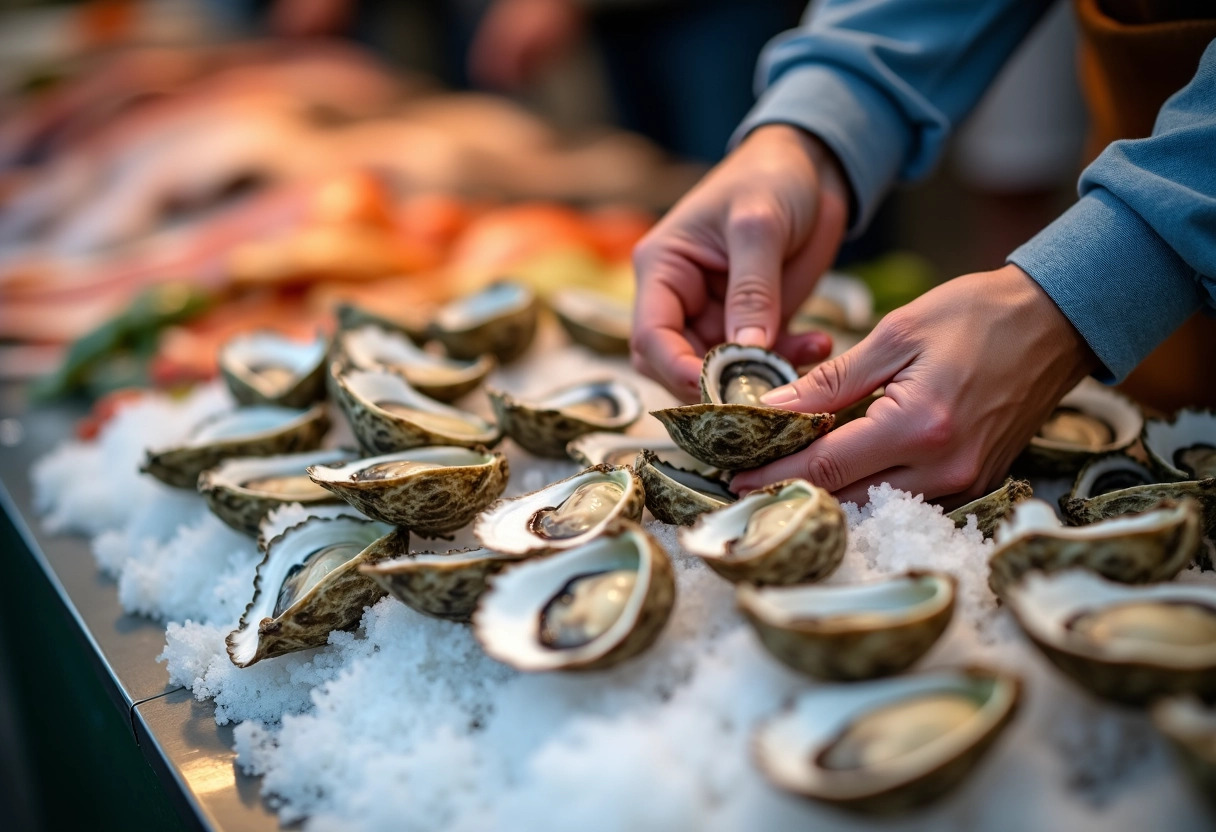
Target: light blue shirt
<point x="883" y="82"/>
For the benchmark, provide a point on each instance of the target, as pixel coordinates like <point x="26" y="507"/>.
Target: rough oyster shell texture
<point x="444" y="586"/>
<point x="597" y="321"/>
<point x="229" y="495"/>
<point x="266" y="368"/>
<point x="678" y="496"/>
<point x="991" y="509"/>
<point x="545" y="425"/>
<point x="1091" y="500"/>
<point x="443" y="379"/>
<point x="500" y="320"/>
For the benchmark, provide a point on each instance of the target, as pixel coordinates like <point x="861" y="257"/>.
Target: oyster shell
<point x="309" y="584"/>
<point x="597" y="321"/>
<point x="544" y="426"/>
<point x="387" y="414"/>
<point x="247" y="431"/>
<point x="1191" y="729"/>
<point x="1153" y="546"/>
<point x="584" y="608"/>
<point x="992" y="508"/>
<point x="353" y="316"/>
<point x="885" y="746"/>
<point x="1115" y="484"/>
<point x="565" y="514"/>
<point x="846" y="633"/>
<point x="500" y="319"/>
<point x="440" y="585"/>
<point x="677" y="495"/>
<point x="1089" y="421"/>
<point x="1184" y="447"/>
<point x="731" y="429"/>
<point x="271" y="369"/>
<point x="241" y="491"/>
<point x="785" y="533"/>
<point x="621" y="449"/>
<point x="430" y="490"/>
<point x="1130" y="644"/>
<point x="368" y="347"/>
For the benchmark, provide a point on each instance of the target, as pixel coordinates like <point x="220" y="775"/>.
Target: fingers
<point x="755" y="242"/>
<point x="853" y="452"/>
<point x="805" y="347"/>
<point x="845" y="379"/>
<point x="670" y="291"/>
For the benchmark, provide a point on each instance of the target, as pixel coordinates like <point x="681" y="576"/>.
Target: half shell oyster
<point x="500" y="319"/>
<point x="991" y="509"/>
<point x="387" y="414"/>
<point x="731" y="429"/>
<point x="247" y="431"/>
<point x="1089" y="421"/>
<point x="622" y="449"/>
<point x="1153" y="546"/>
<point x="565" y="514"/>
<point x="597" y="321"/>
<point x="889" y="745"/>
<point x="1115" y="484"/>
<point x="445" y="379"/>
<point x="353" y="316"/>
<point x="269" y="368"/>
<point x="309" y="585"/>
<point x="241" y="491"/>
<point x="846" y="633"/>
<point x="785" y="533"/>
<point x="545" y="425"/>
<point x="440" y="585"/>
<point x="430" y="490"/>
<point x="589" y="607"/>
<point x="1184" y="447"/>
<point x="677" y="495"/>
<point x="1191" y="729"/>
<point x="1131" y="644"/>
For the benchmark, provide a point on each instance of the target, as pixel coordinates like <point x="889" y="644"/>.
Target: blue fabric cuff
<point x="1113" y="277"/>
<point x="861" y="126"/>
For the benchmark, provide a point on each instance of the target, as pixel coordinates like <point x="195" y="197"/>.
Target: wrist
<point x="833" y="184"/>
<point x="1056" y="339"/>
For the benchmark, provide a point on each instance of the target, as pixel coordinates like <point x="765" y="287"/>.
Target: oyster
<point x="731" y="429"/>
<point x="500" y="319"/>
<point x="1089" y="421"/>
<point x="268" y="368"/>
<point x="352" y="316"/>
<point x="1115" y="484"/>
<point x="677" y="495"/>
<point x="1131" y="644"/>
<point x="368" y="347"/>
<point x="597" y="321"/>
<point x="785" y="533"/>
<point x="1184" y="447"/>
<point x="621" y="449"/>
<point x="440" y="585"/>
<point x="309" y="584"/>
<point x="1153" y="546"/>
<point x="387" y="414"/>
<point x="246" y="431"/>
<point x="1191" y="729"/>
<point x="993" y="508"/>
<point x="241" y="491"/>
<point x="543" y="426"/>
<point x="588" y="607"/>
<point x="886" y="746"/>
<point x="430" y="490"/>
<point x="855" y="632"/>
<point x="564" y="514"/>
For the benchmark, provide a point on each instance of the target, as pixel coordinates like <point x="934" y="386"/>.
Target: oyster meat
<point x="886" y="746"/>
<point x="597" y="321"/>
<point x="785" y="533"/>
<point x="545" y="425"/>
<point x="266" y="368"/>
<point x="1089" y="421"/>
<point x="445" y="379"/>
<point x="588" y="607"/>
<point x="1131" y="644"/>
<point x="1183" y="447"/>
<point x="731" y="429"/>
<point x="677" y="495"/>
<point x="500" y="320"/>
<point x="241" y="491"/>
<point x="445" y="585"/>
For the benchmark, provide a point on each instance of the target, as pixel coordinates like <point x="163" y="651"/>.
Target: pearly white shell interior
<point x="887" y="601"/>
<point x="448" y="455"/>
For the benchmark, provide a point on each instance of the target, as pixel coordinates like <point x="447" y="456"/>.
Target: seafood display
<point x="1089" y="421"/>
<point x="547" y="424"/>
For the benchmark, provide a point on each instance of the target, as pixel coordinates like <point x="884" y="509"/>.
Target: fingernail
<point x="781" y="395"/>
<point x="751" y="336"/>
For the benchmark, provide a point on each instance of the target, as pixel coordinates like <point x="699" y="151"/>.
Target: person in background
<point x="863" y="95"/>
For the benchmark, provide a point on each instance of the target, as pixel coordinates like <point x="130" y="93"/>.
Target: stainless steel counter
<point x="178" y="736"/>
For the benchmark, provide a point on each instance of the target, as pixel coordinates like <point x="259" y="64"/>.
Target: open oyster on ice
<point x="731" y="428"/>
<point x="247" y="431"/>
<point x="622" y="449"/>
<point x="846" y="633"/>
<point x="309" y="584"/>
<point x="564" y="514"/>
<point x="1089" y="421"/>
<point x="992" y="508"/>
<point x="1128" y="643"/>
<point x="889" y="745"/>
<point x="445" y="379"/>
<point x="678" y="495"/>
<point x="785" y="533"/>
<point x="500" y="320"/>
<point x="442" y="585"/>
<point x="1115" y="484"/>
<point x="1191" y="729"/>
<point x="242" y="491"/>
<point x="269" y="368"/>
<point x="546" y="424"/>
<point x="387" y="414"/>
<point x="584" y="608"/>
<point x="430" y="490"/>
<point x="1153" y="546"/>
<point x="597" y="321"/>
<point x="1184" y="447"/>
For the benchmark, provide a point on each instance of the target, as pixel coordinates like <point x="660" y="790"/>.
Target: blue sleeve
<point x="1136" y="255"/>
<point x="883" y="82"/>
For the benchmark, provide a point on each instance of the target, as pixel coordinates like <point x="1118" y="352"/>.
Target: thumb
<point x="755" y="240"/>
<point x="844" y="380"/>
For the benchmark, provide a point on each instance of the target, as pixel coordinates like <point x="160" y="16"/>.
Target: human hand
<point x="737" y="257"/>
<point x="517" y="39"/>
<point x="971" y="370"/>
